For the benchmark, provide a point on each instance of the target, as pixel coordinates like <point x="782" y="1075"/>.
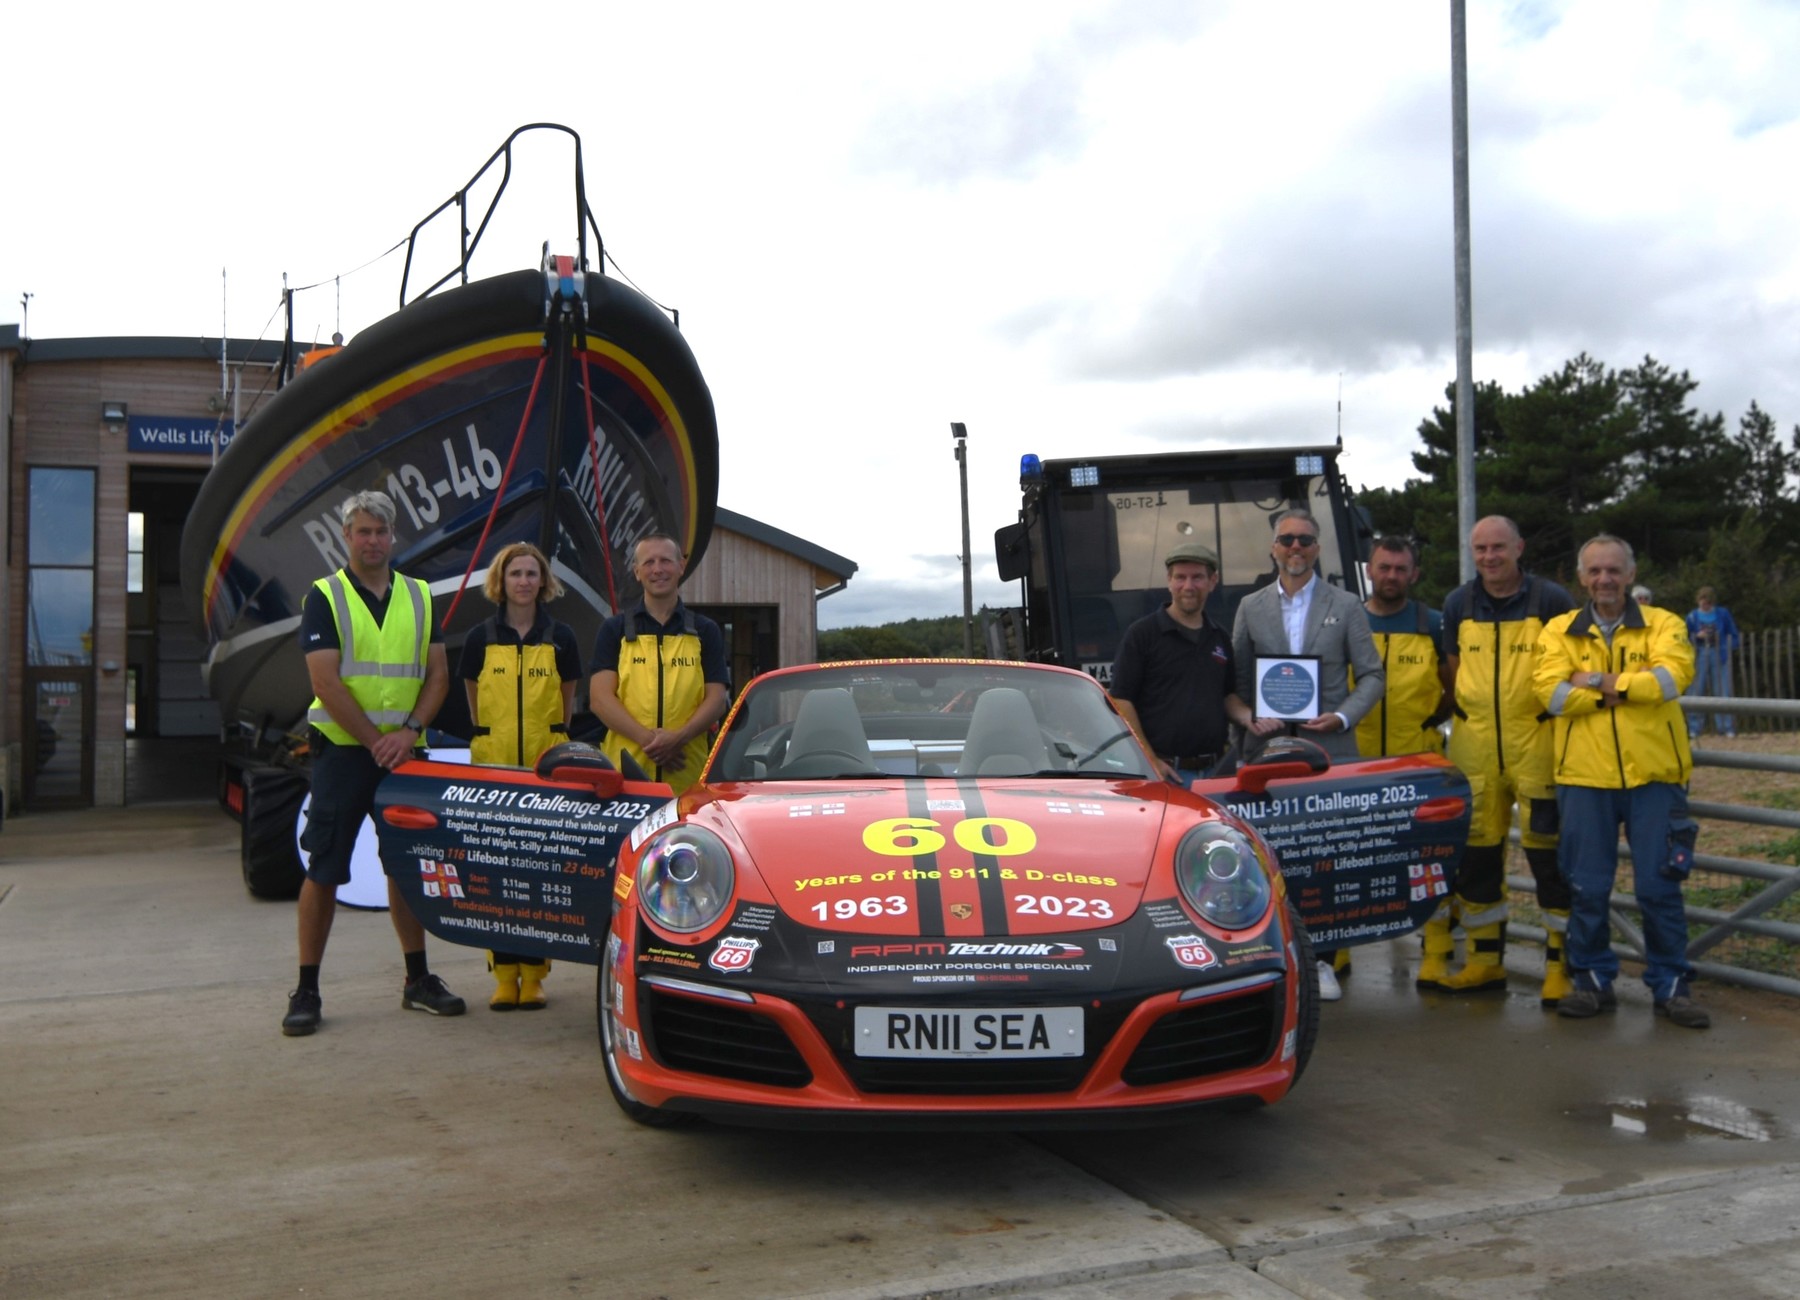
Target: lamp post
<point x="960" y="433"/>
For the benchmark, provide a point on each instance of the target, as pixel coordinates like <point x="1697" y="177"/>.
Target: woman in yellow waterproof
<point x="519" y="668"/>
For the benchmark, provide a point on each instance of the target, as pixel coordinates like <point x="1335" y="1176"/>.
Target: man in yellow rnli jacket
<point x="659" y="672"/>
<point x="379" y="673"/>
<point x="1501" y="740"/>
<point x="1612" y="674"/>
<point x="1406" y="635"/>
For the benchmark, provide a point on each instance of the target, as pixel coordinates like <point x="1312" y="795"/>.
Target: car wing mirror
<point x="1286" y="758"/>
<point x="605" y="782"/>
<point x="576" y="763"/>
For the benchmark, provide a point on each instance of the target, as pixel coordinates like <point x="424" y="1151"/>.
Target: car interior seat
<point x="1004" y="738"/>
<point x="828" y="728"/>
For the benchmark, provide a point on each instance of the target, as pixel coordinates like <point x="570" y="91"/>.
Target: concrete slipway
<point x="159" y="1137"/>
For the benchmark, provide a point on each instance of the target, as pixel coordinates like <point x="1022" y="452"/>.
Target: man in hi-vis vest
<point x="659" y="672"/>
<point x="379" y="673"/>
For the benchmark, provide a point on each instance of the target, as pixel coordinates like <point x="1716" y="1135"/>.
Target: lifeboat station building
<point x="105" y="443"/>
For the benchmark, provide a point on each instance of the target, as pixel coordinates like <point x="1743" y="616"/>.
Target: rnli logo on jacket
<point x="439" y="879"/>
<point x="733" y="954"/>
<point x="1191" y="951"/>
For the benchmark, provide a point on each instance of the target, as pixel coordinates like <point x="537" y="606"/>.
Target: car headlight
<point x="685" y="878"/>
<point x="1221" y="873"/>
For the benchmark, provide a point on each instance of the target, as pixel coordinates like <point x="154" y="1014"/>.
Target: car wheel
<point x="610" y="1047"/>
<point x="1306" y="1019"/>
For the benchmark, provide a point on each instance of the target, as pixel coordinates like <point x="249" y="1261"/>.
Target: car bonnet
<point x="952" y="857"/>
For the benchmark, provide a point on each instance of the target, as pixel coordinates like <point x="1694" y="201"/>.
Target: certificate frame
<point x="1287" y="687"/>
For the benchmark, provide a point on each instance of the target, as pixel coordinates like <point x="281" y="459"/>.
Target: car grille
<point x="1228" y="1034"/>
<point x="731" y="1042"/>
<point x="705" y="1037"/>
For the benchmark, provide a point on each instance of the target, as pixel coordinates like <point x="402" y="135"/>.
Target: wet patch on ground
<point x="1682" y="1120"/>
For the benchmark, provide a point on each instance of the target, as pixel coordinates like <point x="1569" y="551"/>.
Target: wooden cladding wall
<point x="56" y="421"/>
<point x="737" y="570"/>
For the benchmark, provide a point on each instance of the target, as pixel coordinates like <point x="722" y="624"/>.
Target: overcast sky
<point x="1077" y="227"/>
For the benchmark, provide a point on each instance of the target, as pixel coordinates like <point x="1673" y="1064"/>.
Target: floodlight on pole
<point x="960" y="432"/>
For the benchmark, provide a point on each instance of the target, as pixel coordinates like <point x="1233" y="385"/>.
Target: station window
<point x="134" y="552"/>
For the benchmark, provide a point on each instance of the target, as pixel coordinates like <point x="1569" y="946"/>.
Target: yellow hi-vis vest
<point x="384" y="666"/>
<point x="661" y="683"/>
<point x="1396" y="725"/>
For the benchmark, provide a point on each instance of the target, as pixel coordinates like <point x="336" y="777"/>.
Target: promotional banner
<point x="497" y="857"/>
<point x="1368" y="849"/>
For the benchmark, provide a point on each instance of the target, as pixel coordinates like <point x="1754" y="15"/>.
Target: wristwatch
<point x="413" y="725"/>
<point x="1595" y="681"/>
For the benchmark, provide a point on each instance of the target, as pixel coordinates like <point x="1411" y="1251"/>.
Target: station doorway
<point x="750" y="639"/>
<point x="171" y="724"/>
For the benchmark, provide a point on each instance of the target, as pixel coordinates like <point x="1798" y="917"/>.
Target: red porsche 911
<point x="945" y="894"/>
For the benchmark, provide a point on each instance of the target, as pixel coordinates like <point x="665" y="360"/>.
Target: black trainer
<point x="302" y="1016"/>
<point x="427" y="993"/>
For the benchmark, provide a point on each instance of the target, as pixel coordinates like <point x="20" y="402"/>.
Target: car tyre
<point x="650" y="1116"/>
<point x="1306" y="973"/>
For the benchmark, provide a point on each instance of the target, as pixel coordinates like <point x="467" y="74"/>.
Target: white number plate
<point x="968" y="1031"/>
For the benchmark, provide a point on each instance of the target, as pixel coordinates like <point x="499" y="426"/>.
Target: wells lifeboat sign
<point x="183" y="435"/>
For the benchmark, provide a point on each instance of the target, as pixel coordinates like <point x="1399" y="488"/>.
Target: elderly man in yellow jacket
<point x="1611" y="674"/>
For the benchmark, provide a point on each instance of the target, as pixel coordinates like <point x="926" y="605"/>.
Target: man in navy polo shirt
<point x="1174" y="678"/>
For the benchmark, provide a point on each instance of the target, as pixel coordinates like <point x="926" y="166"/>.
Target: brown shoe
<point x="1589" y="997"/>
<point x="1681" y="1009"/>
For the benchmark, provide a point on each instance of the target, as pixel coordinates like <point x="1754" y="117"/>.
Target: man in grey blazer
<point x="1300" y="614"/>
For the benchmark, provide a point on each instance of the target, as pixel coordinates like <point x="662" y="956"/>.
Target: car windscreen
<point x="924" y="720"/>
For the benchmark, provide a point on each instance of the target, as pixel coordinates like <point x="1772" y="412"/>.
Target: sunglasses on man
<point x="1295" y="539"/>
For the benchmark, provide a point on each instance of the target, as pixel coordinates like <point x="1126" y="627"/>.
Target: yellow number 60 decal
<point x="908" y="837"/>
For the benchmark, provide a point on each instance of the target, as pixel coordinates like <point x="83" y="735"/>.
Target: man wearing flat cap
<point x="1174" y="679"/>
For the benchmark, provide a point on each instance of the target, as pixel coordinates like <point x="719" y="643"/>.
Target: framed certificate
<point x="1287" y="687"/>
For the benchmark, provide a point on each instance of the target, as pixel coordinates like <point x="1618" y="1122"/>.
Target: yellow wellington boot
<point x="1437" y="946"/>
<point x="1557" y="984"/>
<point x="506" y="986"/>
<point x="531" y="984"/>
<point x="1485" y="970"/>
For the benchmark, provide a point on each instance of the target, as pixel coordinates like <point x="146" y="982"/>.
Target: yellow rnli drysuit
<point x="1500" y="738"/>
<point x="1405" y="721"/>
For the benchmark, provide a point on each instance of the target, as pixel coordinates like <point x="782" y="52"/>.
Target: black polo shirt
<point x="1177" y="679"/>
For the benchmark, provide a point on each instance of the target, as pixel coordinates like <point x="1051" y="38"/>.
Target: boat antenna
<point x="224" y="338"/>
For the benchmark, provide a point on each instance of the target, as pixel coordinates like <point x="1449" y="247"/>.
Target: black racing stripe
<point x="994" y="918"/>
<point x="930" y="897"/>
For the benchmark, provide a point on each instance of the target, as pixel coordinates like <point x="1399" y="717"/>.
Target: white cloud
<point x="1075" y="226"/>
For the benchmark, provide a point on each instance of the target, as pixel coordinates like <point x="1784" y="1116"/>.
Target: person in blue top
<point x="1715" y="636"/>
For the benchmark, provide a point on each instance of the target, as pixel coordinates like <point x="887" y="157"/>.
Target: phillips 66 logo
<point x="733" y="954"/>
<point x="1191" y="951"/>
